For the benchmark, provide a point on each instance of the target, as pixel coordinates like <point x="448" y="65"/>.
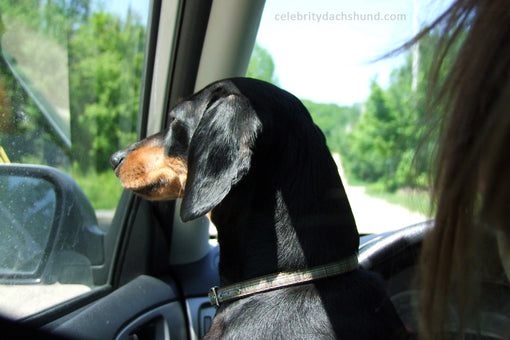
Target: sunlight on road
<point x="374" y="215"/>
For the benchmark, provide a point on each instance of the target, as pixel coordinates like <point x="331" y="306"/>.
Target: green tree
<point x="372" y="142"/>
<point x="50" y="18"/>
<point x="261" y="65"/>
<point x="335" y="121"/>
<point x="30" y="26"/>
<point x="106" y="56"/>
<point x="387" y="144"/>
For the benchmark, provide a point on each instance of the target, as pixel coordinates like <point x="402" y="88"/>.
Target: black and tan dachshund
<point x="250" y="153"/>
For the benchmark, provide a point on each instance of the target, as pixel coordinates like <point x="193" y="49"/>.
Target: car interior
<point x="148" y="274"/>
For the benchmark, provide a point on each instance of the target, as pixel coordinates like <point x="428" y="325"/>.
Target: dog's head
<point x="204" y="152"/>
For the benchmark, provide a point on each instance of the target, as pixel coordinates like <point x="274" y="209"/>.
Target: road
<point x="374" y="215"/>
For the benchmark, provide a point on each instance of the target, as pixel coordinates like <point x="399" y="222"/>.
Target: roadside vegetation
<point x="380" y="140"/>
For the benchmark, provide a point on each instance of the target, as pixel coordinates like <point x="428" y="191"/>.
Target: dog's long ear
<point x="219" y="153"/>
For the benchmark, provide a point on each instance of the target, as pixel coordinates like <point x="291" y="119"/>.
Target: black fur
<point x="257" y="160"/>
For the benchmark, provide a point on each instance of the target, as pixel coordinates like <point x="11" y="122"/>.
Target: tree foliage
<point x="377" y="139"/>
<point x="104" y="56"/>
<point x="40" y="33"/>
<point x="261" y="65"/>
<point x="382" y="139"/>
<point x="388" y="145"/>
<point x="106" y="63"/>
<point x="334" y="120"/>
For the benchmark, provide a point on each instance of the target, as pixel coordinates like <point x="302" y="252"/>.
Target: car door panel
<point x="145" y="305"/>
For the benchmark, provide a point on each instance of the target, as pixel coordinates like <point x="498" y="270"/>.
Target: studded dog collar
<point x="270" y="282"/>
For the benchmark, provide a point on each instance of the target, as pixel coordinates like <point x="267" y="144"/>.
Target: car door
<point x="82" y="258"/>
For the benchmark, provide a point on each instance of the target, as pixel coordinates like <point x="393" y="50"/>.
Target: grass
<point x="418" y="201"/>
<point x="103" y="189"/>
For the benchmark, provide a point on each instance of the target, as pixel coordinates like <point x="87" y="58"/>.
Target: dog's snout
<point x="117" y="158"/>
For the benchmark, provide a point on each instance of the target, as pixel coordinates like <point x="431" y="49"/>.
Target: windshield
<point x="325" y="53"/>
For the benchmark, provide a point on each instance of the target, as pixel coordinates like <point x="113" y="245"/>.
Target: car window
<point x="325" y="53"/>
<point x="70" y="81"/>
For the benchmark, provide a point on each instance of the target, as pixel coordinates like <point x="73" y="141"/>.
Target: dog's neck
<point x="287" y="224"/>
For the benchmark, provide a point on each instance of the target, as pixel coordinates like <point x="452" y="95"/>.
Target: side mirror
<point x="48" y="228"/>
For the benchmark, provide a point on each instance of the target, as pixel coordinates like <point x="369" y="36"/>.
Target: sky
<point x="324" y="50"/>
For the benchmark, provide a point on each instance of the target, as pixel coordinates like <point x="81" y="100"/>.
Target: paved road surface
<point x="374" y="215"/>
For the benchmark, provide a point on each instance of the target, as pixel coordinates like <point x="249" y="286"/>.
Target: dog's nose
<point x="117" y="158"/>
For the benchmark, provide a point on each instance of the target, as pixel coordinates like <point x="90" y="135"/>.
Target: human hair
<point x="471" y="174"/>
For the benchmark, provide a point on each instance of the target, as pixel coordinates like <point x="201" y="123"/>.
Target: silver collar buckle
<point x="213" y="296"/>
